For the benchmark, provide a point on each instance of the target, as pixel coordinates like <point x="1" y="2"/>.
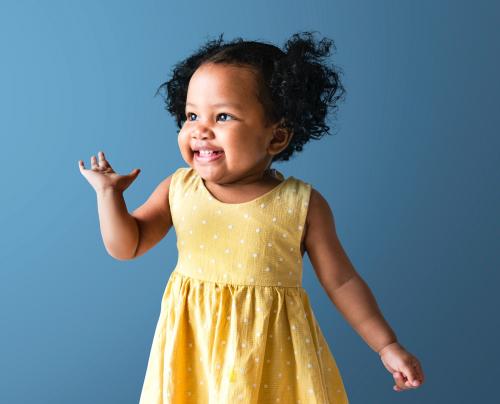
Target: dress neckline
<point x="264" y="195"/>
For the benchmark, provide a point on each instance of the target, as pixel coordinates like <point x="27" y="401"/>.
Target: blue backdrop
<point x="411" y="175"/>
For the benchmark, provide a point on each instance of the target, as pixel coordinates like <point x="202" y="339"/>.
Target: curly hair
<point x="295" y="85"/>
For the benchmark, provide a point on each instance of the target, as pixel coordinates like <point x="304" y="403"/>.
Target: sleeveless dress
<point x="235" y="325"/>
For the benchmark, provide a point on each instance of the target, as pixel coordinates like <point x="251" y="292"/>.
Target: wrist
<point x="388" y="346"/>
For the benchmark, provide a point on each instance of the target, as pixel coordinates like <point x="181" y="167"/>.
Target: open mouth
<point x="210" y="156"/>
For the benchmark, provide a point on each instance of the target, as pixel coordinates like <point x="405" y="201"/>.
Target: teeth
<point x="206" y="152"/>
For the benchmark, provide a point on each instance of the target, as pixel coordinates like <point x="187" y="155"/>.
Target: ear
<point x="280" y="139"/>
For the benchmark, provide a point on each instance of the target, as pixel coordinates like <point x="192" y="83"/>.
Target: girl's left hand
<point x="404" y="366"/>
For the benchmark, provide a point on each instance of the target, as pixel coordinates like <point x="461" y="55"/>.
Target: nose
<point x="201" y="131"/>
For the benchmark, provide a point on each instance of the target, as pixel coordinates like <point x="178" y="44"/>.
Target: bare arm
<point x="127" y="236"/>
<point x="345" y="287"/>
<point x="119" y="230"/>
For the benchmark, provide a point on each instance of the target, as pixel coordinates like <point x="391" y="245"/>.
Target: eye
<point x="223" y="113"/>
<point x="188" y="114"/>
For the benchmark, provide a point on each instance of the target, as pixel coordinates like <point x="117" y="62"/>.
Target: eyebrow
<point x="220" y="104"/>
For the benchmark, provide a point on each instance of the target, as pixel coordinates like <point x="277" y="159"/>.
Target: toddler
<point x="235" y="324"/>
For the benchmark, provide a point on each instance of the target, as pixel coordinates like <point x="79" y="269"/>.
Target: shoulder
<point x="163" y="190"/>
<point x="319" y="214"/>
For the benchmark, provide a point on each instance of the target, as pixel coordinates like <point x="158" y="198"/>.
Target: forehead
<point x="220" y="81"/>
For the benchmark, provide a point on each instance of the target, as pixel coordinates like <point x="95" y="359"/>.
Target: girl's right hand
<point x="102" y="176"/>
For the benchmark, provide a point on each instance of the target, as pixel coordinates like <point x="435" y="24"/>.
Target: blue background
<point x="411" y="175"/>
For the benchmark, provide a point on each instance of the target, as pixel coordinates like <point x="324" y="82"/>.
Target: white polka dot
<point x="202" y="246"/>
<point x="239" y="265"/>
<point x="245" y="215"/>
<point x="242" y="241"/>
<point x="289" y="211"/>
<point x="293" y="327"/>
<point x="308" y="340"/>
<point x="229" y="226"/>
<point x="204" y="221"/>
<point x="274" y="219"/>
<point x="195" y="207"/>
<point x="280" y="259"/>
<point x="269" y="244"/>
<point x="216" y="236"/>
<point x="267" y="269"/>
<point x="310" y="391"/>
<point x="190" y="231"/>
<point x="284" y="235"/>
<point x="309" y="365"/>
<point x="291" y="248"/>
<point x="254" y="254"/>
<point x="262" y="205"/>
<point x="227" y="250"/>
<point x="257" y="230"/>
<point x="300" y="227"/>
<point x="199" y="270"/>
<point x="279" y="283"/>
<point x="265" y="386"/>
<point x="243" y="345"/>
<point x="290" y="273"/>
<point x="252" y="280"/>
<point x="218" y="211"/>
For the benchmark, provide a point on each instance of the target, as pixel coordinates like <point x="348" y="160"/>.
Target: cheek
<point x="184" y="145"/>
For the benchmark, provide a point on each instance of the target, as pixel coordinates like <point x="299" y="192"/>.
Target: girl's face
<point x="223" y="113"/>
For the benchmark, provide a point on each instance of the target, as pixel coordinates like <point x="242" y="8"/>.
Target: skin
<point x="248" y="145"/>
<point x="242" y="175"/>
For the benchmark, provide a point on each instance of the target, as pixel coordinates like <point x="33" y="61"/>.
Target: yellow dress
<point x="235" y="325"/>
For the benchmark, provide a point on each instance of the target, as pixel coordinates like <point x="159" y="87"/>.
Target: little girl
<point x="235" y="323"/>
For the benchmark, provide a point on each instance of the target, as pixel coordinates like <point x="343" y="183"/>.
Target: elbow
<point x="121" y="256"/>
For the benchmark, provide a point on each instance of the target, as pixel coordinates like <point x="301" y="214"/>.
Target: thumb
<point x="135" y="172"/>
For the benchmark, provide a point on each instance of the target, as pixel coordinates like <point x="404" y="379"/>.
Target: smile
<point x="207" y="157"/>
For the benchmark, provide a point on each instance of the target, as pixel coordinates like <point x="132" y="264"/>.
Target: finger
<point x="93" y="163"/>
<point x="410" y="373"/>
<point x="400" y="382"/>
<point x="135" y="172"/>
<point x="420" y="372"/>
<point x="81" y="165"/>
<point x="103" y="163"/>
<point x="396" y="387"/>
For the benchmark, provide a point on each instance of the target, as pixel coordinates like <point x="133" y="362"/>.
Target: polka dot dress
<point x="235" y="324"/>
